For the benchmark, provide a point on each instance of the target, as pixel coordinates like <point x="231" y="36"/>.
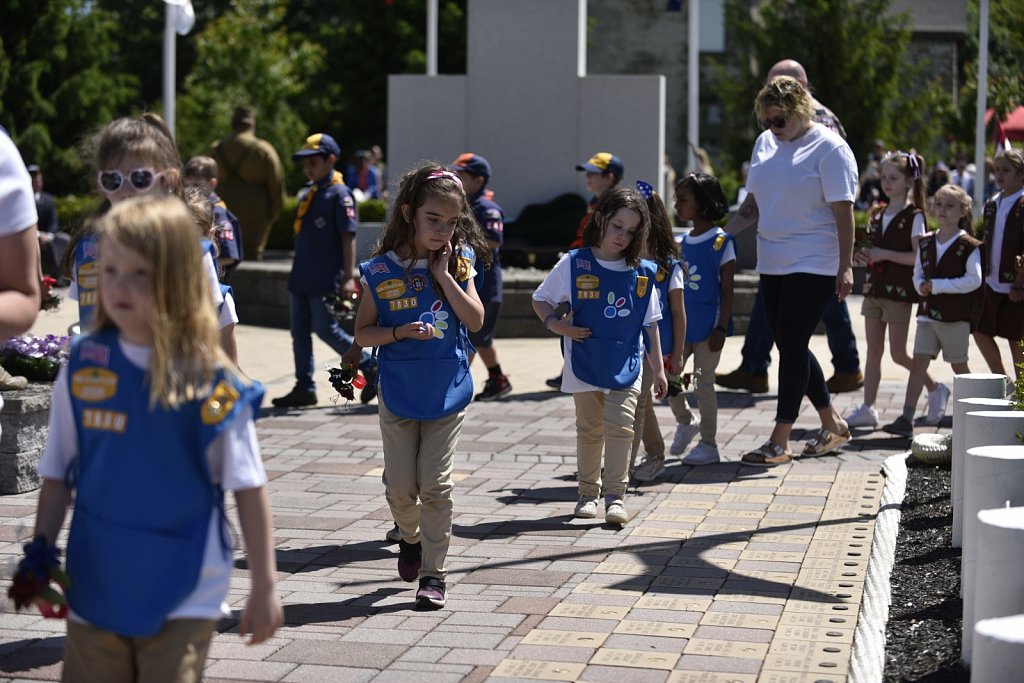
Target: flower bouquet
<point x="36" y="358"/>
<point x="50" y="301"/>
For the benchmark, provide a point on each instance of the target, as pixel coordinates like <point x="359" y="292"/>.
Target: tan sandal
<point x="769" y="454"/>
<point x="825" y="441"/>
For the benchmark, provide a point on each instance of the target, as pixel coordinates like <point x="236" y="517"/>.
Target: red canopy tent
<point x="1013" y="124"/>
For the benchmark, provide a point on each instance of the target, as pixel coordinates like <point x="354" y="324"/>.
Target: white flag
<point x="183" y="17"/>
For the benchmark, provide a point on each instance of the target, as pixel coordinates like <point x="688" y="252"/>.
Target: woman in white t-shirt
<point x="19" y="253"/>
<point x="801" y="187"/>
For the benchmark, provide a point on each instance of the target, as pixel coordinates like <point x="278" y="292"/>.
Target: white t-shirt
<point x="968" y="282"/>
<point x="557" y="289"/>
<point x="234" y="461"/>
<point x="17" y="202"/>
<point x="794" y="183"/>
<point x="1003" y="206"/>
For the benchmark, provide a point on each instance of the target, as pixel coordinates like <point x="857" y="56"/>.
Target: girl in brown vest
<point x="947" y="275"/>
<point x="1003" y="312"/>
<point x="889" y="293"/>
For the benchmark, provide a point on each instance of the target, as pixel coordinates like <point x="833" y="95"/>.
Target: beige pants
<point x="645" y="423"/>
<point x="175" y="655"/>
<point x="419" y="457"/>
<point x="604" y="423"/>
<point x="705" y="362"/>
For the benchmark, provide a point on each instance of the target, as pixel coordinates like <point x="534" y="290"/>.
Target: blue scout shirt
<point x="420" y="380"/>
<point x="144" y="494"/>
<point x="318" y="258"/>
<point x="229" y="232"/>
<point x="492" y="221"/>
<point x="613" y="305"/>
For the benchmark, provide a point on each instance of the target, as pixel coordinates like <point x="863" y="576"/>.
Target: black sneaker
<point x="554" y="382"/>
<point x="494" y="387"/>
<point x="410" y="558"/>
<point x="432" y="593"/>
<point x="901" y="426"/>
<point x="369" y="391"/>
<point x="296" y="398"/>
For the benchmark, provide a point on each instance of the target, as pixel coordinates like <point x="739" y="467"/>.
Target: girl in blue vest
<point x="422" y="300"/>
<point x="149" y="424"/>
<point x="610" y="290"/>
<point x="663" y="250"/>
<point x="135" y="156"/>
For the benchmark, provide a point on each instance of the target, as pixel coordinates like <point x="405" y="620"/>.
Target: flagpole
<point x="980" y="175"/>
<point x="169" y="45"/>
<point x="693" y="84"/>
<point x="431" y="37"/>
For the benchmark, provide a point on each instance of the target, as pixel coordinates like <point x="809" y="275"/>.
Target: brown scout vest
<point x="949" y="308"/>
<point x="893" y="280"/>
<point x="1013" y="239"/>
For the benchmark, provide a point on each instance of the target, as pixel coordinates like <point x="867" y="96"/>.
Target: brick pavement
<point x="725" y="572"/>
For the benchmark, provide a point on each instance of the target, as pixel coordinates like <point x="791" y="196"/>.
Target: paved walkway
<point x="725" y="572"/>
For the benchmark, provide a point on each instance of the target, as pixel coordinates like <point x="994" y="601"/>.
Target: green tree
<point x="58" y="83"/>
<point x="854" y="52"/>
<point x="247" y="56"/>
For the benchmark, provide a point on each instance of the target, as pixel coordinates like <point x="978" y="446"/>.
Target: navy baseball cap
<point x="603" y="162"/>
<point x="474" y="164"/>
<point x="318" y="143"/>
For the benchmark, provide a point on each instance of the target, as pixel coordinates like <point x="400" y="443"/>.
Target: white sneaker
<point x="684" y="435"/>
<point x="862" y="416"/>
<point x="702" y="454"/>
<point x="586" y="508"/>
<point x="937" y="401"/>
<point x="650" y="469"/>
<point x="615" y="511"/>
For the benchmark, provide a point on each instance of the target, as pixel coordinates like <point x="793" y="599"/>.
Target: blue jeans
<point x="308" y="315"/>
<point x="757" y="345"/>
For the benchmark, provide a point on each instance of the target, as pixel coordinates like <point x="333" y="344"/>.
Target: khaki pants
<point x="604" y="422"/>
<point x="645" y="423"/>
<point x="705" y="362"/>
<point x="175" y="655"/>
<point x="419" y="457"/>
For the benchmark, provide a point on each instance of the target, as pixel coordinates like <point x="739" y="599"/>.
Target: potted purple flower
<point x="36" y="358"/>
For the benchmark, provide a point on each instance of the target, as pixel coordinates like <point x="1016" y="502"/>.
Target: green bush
<point x="373" y="211"/>
<point x="72" y="210"/>
<point x="282" y="235"/>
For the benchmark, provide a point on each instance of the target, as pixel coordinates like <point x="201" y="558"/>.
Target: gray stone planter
<point x="24" y="420"/>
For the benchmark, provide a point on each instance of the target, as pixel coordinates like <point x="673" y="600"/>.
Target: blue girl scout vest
<point x="144" y="493"/>
<point x="703" y="286"/>
<point x="665" y="331"/>
<point x="420" y="380"/>
<point x="613" y="305"/>
<point x="208" y="247"/>
<point x="87" y="278"/>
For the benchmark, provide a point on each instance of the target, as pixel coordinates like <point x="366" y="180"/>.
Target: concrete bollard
<point x="959" y="438"/>
<point x="998" y="649"/>
<point x="998" y="586"/>
<point x="993" y="478"/>
<point x="981" y="385"/>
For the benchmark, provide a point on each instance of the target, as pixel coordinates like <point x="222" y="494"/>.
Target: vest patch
<point x="403" y="304"/>
<point x="417" y="282"/>
<point x="660" y="275"/>
<point x="391" y="289"/>
<point x="462" y="269"/>
<point x="588" y="294"/>
<point x="719" y="243"/>
<point x="94" y="384"/>
<point x="587" y="282"/>
<point x="104" y="420"/>
<point x="220" y="403"/>
<point x="87" y="297"/>
<point x="88" y="274"/>
<point x="641" y="285"/>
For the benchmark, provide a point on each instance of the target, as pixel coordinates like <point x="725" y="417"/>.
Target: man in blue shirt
<point x="324" y="263"/>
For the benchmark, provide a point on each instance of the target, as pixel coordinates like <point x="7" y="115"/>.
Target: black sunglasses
<point x="140" y="178"/>
<point x="776" y="122"/>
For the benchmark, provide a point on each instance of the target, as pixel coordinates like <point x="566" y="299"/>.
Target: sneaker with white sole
<point x="684" y="435"/>
<point x="862" y="416"/>
<point x="703" y="454"/>
<point x="650" y="469"/>
<point x="586" y="508"/>
<point x="394" y="534"/>
<point x="937" y="402"/>
<point x="615" y="511"/>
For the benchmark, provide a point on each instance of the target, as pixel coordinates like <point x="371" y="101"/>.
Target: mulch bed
<point x="923" y="633"/>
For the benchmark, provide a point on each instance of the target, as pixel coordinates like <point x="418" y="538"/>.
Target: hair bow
<point x="645" y="189"/>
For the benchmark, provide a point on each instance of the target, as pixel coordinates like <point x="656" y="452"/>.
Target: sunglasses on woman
<point x="140" y="178"/>
<point x="776" y="122"/>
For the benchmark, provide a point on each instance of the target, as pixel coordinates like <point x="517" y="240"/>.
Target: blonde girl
<point x="889" y="293"/>
<point x="610" y="290"/>
<point x="947" y="275"/>
<point x="1003" y="312"/>
<point x="149" y="556"/>
<point x="420" y="301"/>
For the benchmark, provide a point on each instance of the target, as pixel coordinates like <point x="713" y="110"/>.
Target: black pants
<point x="794" y="304"/>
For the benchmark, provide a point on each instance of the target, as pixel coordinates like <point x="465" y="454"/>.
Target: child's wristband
<point x="547" y="321"/>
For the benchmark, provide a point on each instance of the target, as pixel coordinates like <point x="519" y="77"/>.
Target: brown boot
<point x="10" y="383"/>
<point x="845" y="381"/>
